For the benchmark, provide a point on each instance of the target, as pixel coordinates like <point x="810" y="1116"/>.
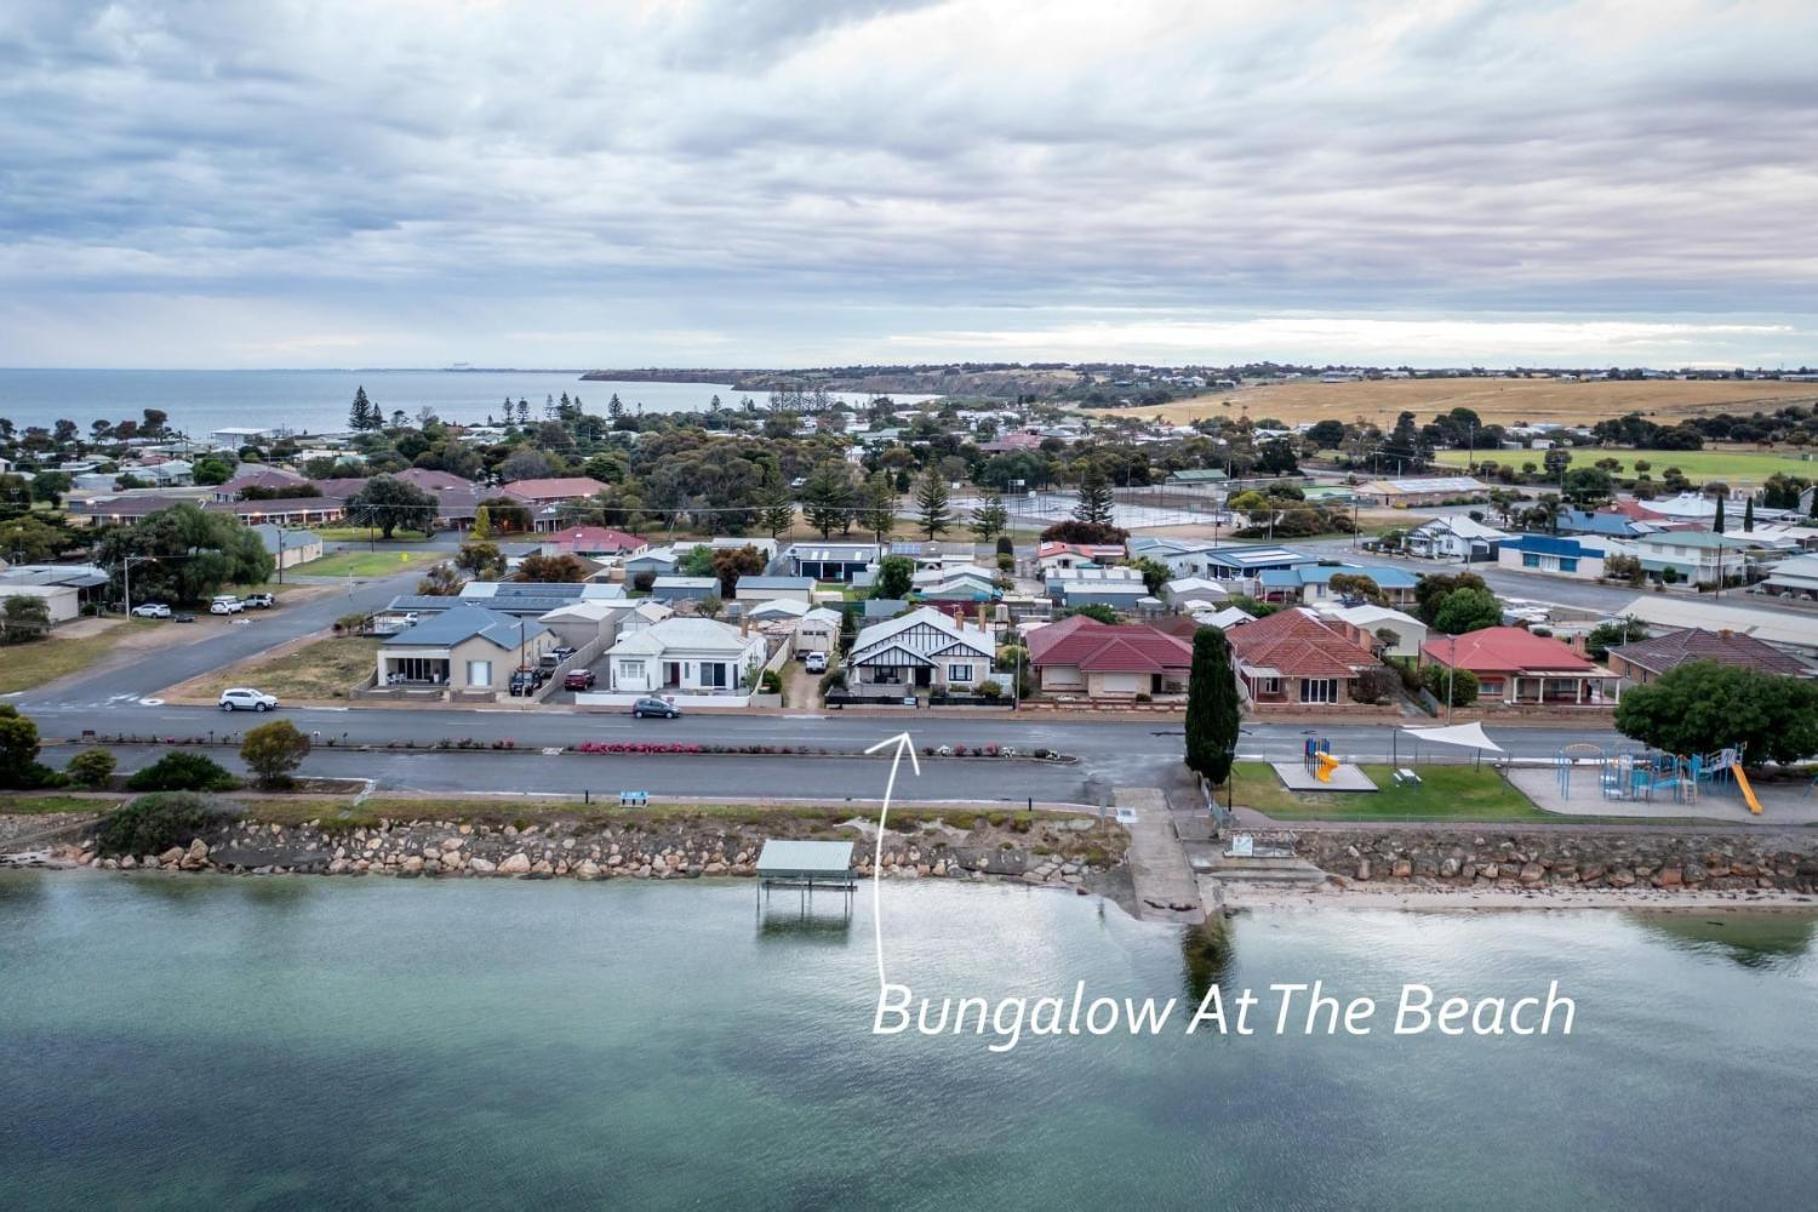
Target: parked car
<point x="245" y="698"/>
<point x="183" y="617"/>
<point x="657" y="707"/>
<point x="815" y="662"/>
<point x="152" y="610"/>
<point x="226" y="603"/>
<point x="578" y="679"/>
<point x="259" y="601"/>
<point x="526" y="681"/>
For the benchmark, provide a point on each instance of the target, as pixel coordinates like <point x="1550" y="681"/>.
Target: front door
<point x="924" y="677"/>
<point x="672" y="673"/>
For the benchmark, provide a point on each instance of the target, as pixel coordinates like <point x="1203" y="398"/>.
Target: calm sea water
<point x="316" y="401"/>
<point x="313" y="1043"/>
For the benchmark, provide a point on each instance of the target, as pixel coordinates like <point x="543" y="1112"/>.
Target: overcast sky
<point x="782" y="182"/>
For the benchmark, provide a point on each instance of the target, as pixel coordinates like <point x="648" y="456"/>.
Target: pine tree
<point x="878" y="507"/>
<point x="1717" y="521"/>
<point x="615" y="407"/>
<point x="1097" y="503"/>
<point x="990" y="519"/>
<point x="932" y="516"/>
<point x="775" y="506"/>
<point x="827" y="498"/>
<point x="1748" y="515"/>
<point x="364" y="414"/>
<point x="1212" y="707"/>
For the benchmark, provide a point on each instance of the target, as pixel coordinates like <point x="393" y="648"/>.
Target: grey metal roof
<point x="775" y="583"/>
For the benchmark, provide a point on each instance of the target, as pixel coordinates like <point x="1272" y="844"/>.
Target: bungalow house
<point x="1311" y="584"/>
<point x="824" y="561"/>
<point x="1554" y="555"/>
<point x="1190" y="593"/>
<point x="463" y="649"/>
<point x="923" y="648"/>
<point x="1082" y="656"/>
<point x="818" y="630"/>
<point x="288" y="548"/>
<point x="547" y="499"/>
<point x="1515" y="666"/>
<point x="1050" y="556"/>
<point x="1645" y="660"/>
<point x="1455" y="537"/>
<point x="1797" y="577"/>
<point x="1389" y="632"/>
<point x="685" y="655"/>
<point x="594" y="542"/>
<point x="657" y="561"/>
<point x="685" y="589"/>
<point x="935" y="554"/>
<point x="1295" y="657"/>
<point x="1607" y="524"/>
<point x="1087" y="579"/>
<point x="754" y="589"/>
<point x="1218" y="561"/>
<point x="1697" y="556"/>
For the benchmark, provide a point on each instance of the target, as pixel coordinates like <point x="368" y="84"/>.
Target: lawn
<point x="324" y="669"/>
<point x="1738" y="465"/>
<point x="365" y="563"/>
<point x="27" y="666"/>
<point x="1445" y="793"/>
<point x="359" y="534"/>
<point x="46" y="805"/>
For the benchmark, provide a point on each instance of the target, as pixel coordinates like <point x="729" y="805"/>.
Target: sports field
<point x="1734" y="466"/>
<point x="1496" y="401"/>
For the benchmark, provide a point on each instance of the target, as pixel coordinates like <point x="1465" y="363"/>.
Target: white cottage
<point x="685" y="655"/>
<point x="923" y="648"/>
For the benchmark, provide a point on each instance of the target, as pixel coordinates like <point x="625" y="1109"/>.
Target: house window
<point x="631" y="669"/>
<point x="1319" y="690"/>
<point x="1490" y="686"/>
<point x="1568" y="564"/>
<point x="479" y="673"/>
<point x="959" y="673"/>
<point x="1530" y="560"/>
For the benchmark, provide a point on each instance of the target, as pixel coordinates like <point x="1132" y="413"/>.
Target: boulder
<point x="517" y="864"/>
<point x="587" y="870"/>
<point x="171" y="857"/>
<point x="480" y="866"/>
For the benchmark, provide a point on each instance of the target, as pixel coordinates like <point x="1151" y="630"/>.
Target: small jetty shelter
<point x="806" y="865"/>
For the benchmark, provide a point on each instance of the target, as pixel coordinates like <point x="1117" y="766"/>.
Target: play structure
<point x="1650" y="775"/>
<point x="1320" y="762"/>
<point x="1319" y="769"/>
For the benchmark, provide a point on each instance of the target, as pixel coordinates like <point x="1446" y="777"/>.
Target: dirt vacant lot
<point x="1497" y="401"/>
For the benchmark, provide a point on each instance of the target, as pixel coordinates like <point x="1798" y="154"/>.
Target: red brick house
<point x="1079" y="655"/>
<point x="1516" y="667"/>
<point x="1294" y="657"/>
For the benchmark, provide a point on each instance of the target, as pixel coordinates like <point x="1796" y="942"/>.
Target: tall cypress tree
<point x="1748" y="515"/>
<point x="1717" y="522"/>
<point x="1212" y="706"/>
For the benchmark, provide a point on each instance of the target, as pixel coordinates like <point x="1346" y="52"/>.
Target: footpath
<point x="1166" y="890"/>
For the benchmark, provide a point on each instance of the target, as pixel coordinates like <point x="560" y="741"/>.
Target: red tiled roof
<point x="560" y="489"/>
<point x="598" y="538"/>
<point x="1505" y="650"/>
<point x="1296" y="644"/>
<point x="1104" y="648"/>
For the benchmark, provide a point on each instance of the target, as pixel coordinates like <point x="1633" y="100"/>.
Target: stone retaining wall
<point x="1071" y="851"/>
<point x="1460" y="858"/>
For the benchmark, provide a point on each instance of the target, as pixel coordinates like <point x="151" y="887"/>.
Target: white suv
<point x="226" y="604"/>
<point x="152" y="610"/>
<point x="244" y="698"/>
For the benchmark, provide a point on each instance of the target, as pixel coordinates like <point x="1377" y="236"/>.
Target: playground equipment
<point x="1324" y="766"/>
<point x="1319" y="759"/>
<point x="1644" y="774"/>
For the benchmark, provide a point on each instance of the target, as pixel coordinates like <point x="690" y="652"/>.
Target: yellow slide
<point x="1328" y="763"/>
<point x="1748" y="792"/>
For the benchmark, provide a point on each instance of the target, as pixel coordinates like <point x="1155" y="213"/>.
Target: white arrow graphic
<point x="903" y="745"/>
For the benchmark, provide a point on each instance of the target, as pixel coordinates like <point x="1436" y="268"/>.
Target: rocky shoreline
<point x="1526" y="861"/>
<point x="1077" y="852"/>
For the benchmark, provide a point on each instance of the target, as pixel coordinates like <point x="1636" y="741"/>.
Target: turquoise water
<point x="316" y="401"/>
<point x="315" y="1043"/>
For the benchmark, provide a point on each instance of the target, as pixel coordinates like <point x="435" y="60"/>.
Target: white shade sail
<point x="1469" y="735"/>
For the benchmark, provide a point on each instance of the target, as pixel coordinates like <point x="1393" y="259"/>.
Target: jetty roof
<point x="783" y="860"/>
